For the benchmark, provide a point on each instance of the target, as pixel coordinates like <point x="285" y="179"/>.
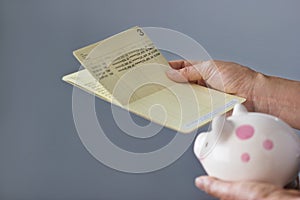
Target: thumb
<point x="198" y="72"/>
<point x="243" y="190"/>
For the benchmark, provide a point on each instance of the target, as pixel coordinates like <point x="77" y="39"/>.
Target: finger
<point x="214" y="187"/>
<point x="237" y="190"/>
<point x="184" y="75"/>
<point x="197" y="72"/>
<point x="179" y="64"/>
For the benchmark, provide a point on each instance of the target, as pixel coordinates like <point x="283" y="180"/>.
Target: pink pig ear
<point x="239" y="109"/>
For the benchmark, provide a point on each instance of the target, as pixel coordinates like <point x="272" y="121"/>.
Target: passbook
<point x="127" y="70"/>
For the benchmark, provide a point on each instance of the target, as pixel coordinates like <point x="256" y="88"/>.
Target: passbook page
<point x="113" y="60"/>
<point x="129" y="71"/>
<point x="85" y="81"/>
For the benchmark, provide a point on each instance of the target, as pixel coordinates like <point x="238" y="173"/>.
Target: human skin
<point x="267" y="94"/>
<point x="244" y="190"/>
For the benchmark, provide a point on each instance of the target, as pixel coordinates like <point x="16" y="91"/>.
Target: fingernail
<point x="172" y="72"/>
<point x="175" y="75"/>
<point x="201" y="182"/>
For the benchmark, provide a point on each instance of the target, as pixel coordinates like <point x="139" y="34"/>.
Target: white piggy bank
<point x="250" y="146"/>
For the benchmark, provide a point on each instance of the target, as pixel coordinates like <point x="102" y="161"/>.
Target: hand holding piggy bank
<point x="250" y="146"/>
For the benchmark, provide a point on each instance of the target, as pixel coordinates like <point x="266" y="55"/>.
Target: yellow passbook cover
<point x="129" y="71"/>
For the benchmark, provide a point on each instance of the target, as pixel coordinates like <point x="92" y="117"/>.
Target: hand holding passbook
<point x="129" y="71"/>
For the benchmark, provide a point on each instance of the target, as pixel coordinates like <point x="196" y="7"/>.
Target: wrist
<point x="259" y="94"/>
<point x="277" y="96"/>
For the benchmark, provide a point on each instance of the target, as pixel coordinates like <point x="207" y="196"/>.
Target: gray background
<point x="41" y="156"/>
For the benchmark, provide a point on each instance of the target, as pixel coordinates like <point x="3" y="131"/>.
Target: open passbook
<point x="129" y="71"/>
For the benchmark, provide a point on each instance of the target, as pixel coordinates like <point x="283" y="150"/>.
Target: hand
<point x="228" y="77"/>
<point x="272" y="95"/>
<point x="244" y="190"/>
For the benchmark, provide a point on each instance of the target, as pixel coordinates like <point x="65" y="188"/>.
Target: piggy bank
<point x="249" y="146"/>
